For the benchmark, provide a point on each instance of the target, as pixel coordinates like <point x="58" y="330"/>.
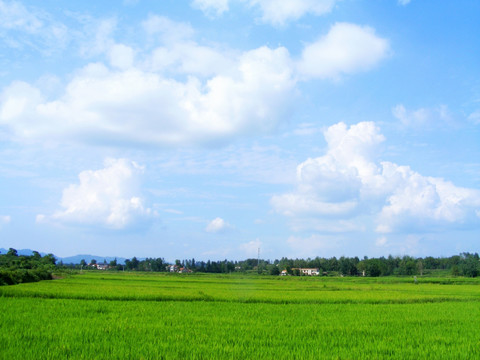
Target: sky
<point x="214" y="129"/>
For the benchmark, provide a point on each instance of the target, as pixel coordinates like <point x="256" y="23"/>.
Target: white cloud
<point x="211" y="7"/>
<point x="475" y="117"/>
<point x="279" y="12"/>
<point x="136" y="106"/>
<point x="404" y="2"/>
<point x="346" y="49"/>
<point x="421" y="117"/>
<point x="349" y="181"/>
<point x="217" y="225"/>
<point x="14" y="15"/>
<point x="179" y="93"/>
<point x="107" y="197"/>
<point x="27" y="27"/>
<point x="97" y="36"/>
<point x="273" y="12"/>
<point x="189" y="58"/>
<point x="167" y="30"/>
<point x="121" y="56"/>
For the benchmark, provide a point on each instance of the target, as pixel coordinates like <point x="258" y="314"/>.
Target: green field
<point x="100" y="315"/>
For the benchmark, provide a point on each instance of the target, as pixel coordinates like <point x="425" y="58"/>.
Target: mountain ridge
<point x="75" y="259"/>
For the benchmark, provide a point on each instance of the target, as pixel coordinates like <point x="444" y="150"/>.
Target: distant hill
<point x="72" y="259"/>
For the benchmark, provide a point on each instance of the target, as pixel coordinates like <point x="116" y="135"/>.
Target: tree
<point x="470" y="266"/>
<point x="12" y="252"/>
<point x="274" y="270"/>
<point x="83" y="263"/>
<point x="373" y="267"/>
<point x="135" y="262"/>
<point x="49" y="259"/>
<point x="289" y="270"/>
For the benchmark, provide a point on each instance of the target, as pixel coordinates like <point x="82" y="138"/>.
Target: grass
<point x="151" y="316"/>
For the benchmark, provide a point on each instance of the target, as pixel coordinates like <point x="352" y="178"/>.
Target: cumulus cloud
<point x="139" y="106"/>
<point x="217" y="225"/>
<point x="180" y="92"/>
<point x="349" y="181"/>
<point x="109" y="197"/>
<point x="346" y="49"/>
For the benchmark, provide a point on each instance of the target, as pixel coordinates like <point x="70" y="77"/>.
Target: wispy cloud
<point x="422" y="117"/>
<point x="274" y="12"/>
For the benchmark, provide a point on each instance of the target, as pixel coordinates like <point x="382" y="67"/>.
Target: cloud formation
<point x="217" y="225"/>
<point x="346" y="49"/>
<point x="22" y="22"/>
<point x="181" y="92"/>
<point x="211" y="7"/>
<point x="108" y="197"/>
<point x="349" y="182"/>
<point x="422" y="117"/>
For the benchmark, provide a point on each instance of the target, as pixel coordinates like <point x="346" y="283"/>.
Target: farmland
<point x="152" y="316"/>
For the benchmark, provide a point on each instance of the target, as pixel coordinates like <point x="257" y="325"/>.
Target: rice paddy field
<point x="102" y="315"/>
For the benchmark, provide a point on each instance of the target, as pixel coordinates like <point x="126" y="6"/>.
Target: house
<point x="103" y="266"/>
<point x="184" y="270"/>
<point x="302" y="271"/>
<point x="172" y="268"/>
<point x="310" y="271"/>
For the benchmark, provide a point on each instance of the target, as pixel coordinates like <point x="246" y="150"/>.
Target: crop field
<point x="101" y="315"/>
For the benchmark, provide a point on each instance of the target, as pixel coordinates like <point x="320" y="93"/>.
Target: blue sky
<point x="212" y="128"/>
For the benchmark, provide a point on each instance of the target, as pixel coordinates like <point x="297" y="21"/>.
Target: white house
<point x="310" y="271"/>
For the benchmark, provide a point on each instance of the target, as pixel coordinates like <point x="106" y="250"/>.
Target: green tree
<point x="274" y="270"/>
<point x="470" y="266"/>
<point x="12" y="252"/>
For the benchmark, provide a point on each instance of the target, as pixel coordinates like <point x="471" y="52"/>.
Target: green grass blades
<point x="143" y="316"/>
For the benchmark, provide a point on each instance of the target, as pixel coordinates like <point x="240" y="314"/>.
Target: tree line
<point x="16" y="269"/>
<point x="464" y="264"/>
